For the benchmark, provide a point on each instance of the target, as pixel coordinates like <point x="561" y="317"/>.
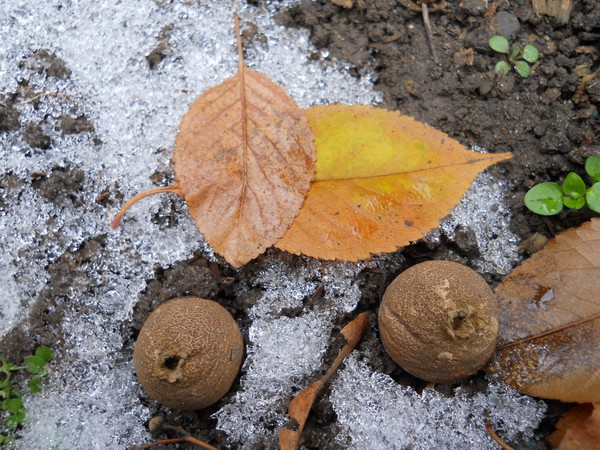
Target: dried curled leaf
<point x="557" y="286"/>
<point x="344" y="3"/>
<point x="579" y="428"/>
<point x="382" y="181"/>
<point x="289" y="439"/>
<point x="244" y="160"/>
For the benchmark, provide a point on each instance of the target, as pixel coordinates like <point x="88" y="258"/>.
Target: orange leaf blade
<point x="301" y="404"/>
<point x="244" y="159"/>
<point x="382" y="181"/>
<point x="557" y="286"/>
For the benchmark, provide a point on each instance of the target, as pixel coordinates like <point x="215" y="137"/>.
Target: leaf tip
<point x="353" y="331"/>
<point x="505" y="156"/>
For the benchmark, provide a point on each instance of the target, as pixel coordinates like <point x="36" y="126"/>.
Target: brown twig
<point x="410" y="5"/>
<point x="500" y="442"/>
<point x="425" y="12"/>
<point x="189" y="439"/>
<point x="546" y="333"/>
<point x="161" y="442"/>
<point x="159" y="424"/>
<point x="301" y="404"/>
<point x="41" y="94"/>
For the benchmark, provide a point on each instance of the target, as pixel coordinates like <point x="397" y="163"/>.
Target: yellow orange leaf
<point x="382" y="181"/>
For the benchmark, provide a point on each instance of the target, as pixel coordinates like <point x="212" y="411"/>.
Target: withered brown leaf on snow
<point x="557" y="286"/>
<point x="244" y="159"/>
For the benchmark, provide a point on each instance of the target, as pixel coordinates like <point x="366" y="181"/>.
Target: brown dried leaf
<point x="579" y="428"/>
<point x="301" y="404"/>
<point x="561" y="9"/>
<point x="345" y="3"/>
<point x="244" y="159"/>
<point x="556" y="287"/>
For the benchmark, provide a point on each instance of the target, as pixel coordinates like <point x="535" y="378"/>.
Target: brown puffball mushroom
<point x="188" y="353"/>
<point x="438" y="320"/>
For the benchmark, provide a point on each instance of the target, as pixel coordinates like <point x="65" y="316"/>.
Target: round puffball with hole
<point x="188" y="353"/>
<point x="438" y="320"/>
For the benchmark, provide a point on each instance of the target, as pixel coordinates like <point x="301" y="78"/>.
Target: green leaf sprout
<point x="11" y="399"/>
<point x="592" y="167"/>
<point x="592" y="196"/>
<point x="549" y="198"/>
<point x="502" y="68"/>
<point x="573" y="186"/>
<point x="545" y="199"/>
<point x="499" y="44"/>
<point x="522" y="68"/>
<point x="520" y="60"/>
<point x="530" y="53"/>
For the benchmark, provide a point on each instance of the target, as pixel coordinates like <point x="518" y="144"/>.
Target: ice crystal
<point x="395" y="417"/>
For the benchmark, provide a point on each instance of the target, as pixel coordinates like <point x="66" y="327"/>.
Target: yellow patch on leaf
<point x="382" y="181"/>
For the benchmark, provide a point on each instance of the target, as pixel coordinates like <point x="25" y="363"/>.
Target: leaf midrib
<point x="414" y="171"/>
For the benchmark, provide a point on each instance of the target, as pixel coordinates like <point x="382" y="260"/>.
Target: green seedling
<point x="520" y="60"/>
<point x="11" y="399"/>
<point x="548" y="199"/>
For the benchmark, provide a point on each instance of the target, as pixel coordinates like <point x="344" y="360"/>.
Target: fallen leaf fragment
<point x="345" y="3"/>
<point x="382" y="181"/>
<point x="554" y="293"/>
<point x="579" y="428"/>
<point x="244" y="159"/>
<point x="561" y="9"/>
<point x="301" y="404"/>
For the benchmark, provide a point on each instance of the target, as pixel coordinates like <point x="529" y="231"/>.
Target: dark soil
<point x="549" y="121"/>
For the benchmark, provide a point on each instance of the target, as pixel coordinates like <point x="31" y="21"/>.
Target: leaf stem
<point x="495" y="437"/>
<point x="545" y="333"/>
<point x="175" y="188"/>
<point x="238" y="37"/>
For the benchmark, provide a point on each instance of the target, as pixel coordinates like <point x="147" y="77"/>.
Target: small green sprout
<point x="548" y="199"/>
<point x="11" y="400"/>
<point x="519" y="59"/>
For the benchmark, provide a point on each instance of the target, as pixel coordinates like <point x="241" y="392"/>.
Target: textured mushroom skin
<point x="188" y="353"/>
<point x="438" y="320"/>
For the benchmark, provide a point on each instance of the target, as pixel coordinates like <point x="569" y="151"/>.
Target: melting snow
<point x="429" y="420"/>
